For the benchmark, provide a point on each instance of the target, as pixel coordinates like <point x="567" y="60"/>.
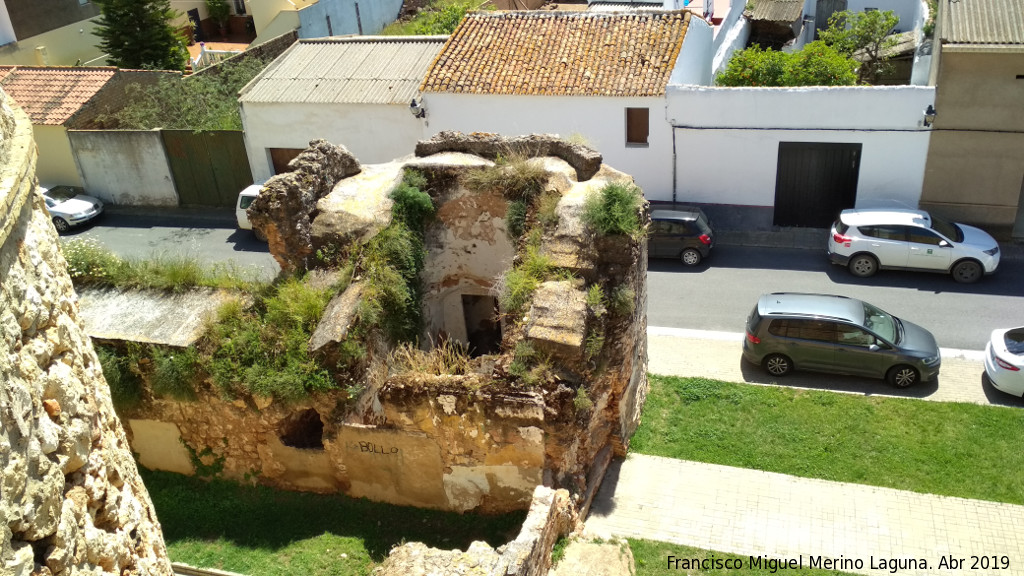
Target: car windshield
<point x="703" y="224"/>
<point x="1015" y="341"/>
<point x="947" y="229"/>
<point x="881" y="323"/>
<point x="61" y="194"/>
<point x="245" y="201"/>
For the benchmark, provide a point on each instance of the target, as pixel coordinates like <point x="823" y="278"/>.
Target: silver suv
<point x="866" y="240"/>
<point x="826" y="333"/>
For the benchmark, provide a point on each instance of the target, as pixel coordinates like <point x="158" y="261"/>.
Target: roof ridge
<point x="68" y="68"/>
<point x="384" y="39"/>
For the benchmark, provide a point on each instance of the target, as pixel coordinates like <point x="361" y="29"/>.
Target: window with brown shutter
<point x="637" y="126"/>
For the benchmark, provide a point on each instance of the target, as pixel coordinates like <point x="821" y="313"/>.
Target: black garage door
<point x="815" y="180"/>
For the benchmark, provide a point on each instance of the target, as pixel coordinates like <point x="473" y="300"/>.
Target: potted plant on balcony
<point x="219" y="11"/>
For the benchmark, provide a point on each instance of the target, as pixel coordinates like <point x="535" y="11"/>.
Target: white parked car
<point x="868" y="240"/>
<point x="245" y="198"/>
<point x="69" y="206"/>
<point x="1004" y="360"/>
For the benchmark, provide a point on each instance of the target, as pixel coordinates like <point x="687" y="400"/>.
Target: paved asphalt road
<point x="719" y="293"/>
<point x="210" y="240"/>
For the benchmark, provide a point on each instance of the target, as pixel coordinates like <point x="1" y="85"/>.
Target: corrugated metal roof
<point x="356" y="70"/>
<point x="983" y="22"/>
<point x="777" y="10"/>
<point x="52" y="95"/>
<point x="560" y="53"/>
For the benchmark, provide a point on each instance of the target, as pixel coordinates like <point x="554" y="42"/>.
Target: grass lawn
<point x="964" y="450"/>
<point x="260" y="531"/>
<point x="652" y="560"/>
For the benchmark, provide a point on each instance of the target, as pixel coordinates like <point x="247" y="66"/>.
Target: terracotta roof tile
<point x="560" y="53"/>
<point x="51" y="95"/>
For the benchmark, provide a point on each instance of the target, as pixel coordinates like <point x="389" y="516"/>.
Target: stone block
<point x="558" y="319"/>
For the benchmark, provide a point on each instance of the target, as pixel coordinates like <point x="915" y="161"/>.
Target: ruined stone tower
<point x="71" y="499"/>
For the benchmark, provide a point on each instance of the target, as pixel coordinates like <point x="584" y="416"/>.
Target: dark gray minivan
<point x="684" y="233"/>
<point x="826" y="333"/>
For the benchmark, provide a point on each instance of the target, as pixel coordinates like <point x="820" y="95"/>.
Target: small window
<point x="779" y="328"/>
<point x="661" y="227"/>
<point x="884" y="232"/>
<point x="853" y="336"/>
<point x="637" y="126"/>
<point x="817" y="330"/>
<point x="83" y="2"/>
<point x="922" y="236"/>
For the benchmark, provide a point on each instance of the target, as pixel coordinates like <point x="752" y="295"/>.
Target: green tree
<point x="815" y="65"/>
<point x="202" y="102"/>
<point x="863" y="36"/>
<point x="139" y="34"/>
<point x="819" y="65"/>
<point x="439" y="18"/>
<point x="220" y="12"/>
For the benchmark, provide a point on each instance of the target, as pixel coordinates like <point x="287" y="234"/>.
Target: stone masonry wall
<point x="71" y="499"/>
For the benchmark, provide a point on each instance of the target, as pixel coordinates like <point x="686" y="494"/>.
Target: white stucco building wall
<point x="693" y="65"/>
<point x="374" y="133"/>
<point x="601" y="121"/>
<point x="726" y="140"/>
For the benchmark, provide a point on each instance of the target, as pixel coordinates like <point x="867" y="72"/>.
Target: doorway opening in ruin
<point x="483" y="330"/>
<point x="303" y="430"/>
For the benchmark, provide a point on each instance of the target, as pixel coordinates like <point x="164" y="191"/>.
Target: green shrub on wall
<point x="391" y="263"/>
<point x="615" y="210"/>
<point x="264" y="350"/>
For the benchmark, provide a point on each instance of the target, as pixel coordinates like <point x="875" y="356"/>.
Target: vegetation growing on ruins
<point x="264" y="349"/>
<point x="615" y="210"/>
<point x="516" y="175"/>
<point x="91" y="264"/>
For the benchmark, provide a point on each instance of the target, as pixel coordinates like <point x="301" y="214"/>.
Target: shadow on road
<point x="836" y="383"/>
<point x="1007" y="281"/>
<point x="246" y="241"/>
<point x="214" y="220"/>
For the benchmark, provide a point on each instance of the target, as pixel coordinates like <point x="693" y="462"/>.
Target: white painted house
<point x="601" y="76"/>
<point x="763" y="157"/>
<point x="353" y="91"/>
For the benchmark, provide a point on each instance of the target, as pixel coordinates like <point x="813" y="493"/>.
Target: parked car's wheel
<point x="690" y="257"/>
<point x="61" y="224"/>
<point x="902" y="376"/>
<point x="259" y="235"/>
<point x="967" y="271"/>
<point x="777" y="364"/>
<point x="863" y="265"/>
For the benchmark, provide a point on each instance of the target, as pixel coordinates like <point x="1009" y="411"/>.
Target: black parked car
<point x="684" y="234"/>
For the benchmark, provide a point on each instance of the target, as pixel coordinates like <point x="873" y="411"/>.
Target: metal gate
<point x="824" y="10"/>
<point x="209" y="168"/>
<point x="815" y="180"/>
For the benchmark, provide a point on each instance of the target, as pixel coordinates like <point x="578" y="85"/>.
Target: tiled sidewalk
<point x="678" y="352"/>
<point x="755" y="513"/>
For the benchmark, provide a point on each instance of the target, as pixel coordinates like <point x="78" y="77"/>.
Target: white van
<point x="245" y="198"/>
